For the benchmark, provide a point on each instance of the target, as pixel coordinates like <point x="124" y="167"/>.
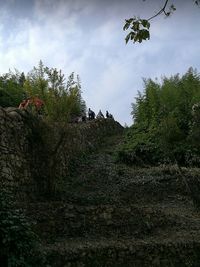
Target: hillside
<point x="112" y="215"/>
<point x="105" y="213"/>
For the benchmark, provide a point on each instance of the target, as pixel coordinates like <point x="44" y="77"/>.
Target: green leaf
<point x="126" y="26"/>
<point x="128" y="37"/>
<point x="172" y="7"/>
<point x="136" y="26"/>
<point x="144" y="22"/>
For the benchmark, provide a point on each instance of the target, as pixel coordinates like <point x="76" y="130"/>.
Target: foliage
<point x="139" y="29"/>
<point x="166" y="122"/>
<point x="62" y="100"/>
<point x="19" y="245"/>
<point x="11" y="91"/>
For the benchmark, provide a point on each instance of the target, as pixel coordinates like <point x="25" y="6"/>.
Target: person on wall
<point x="100" y="115"/>
<point x="108" y="115"/>
<point x="91" y="114"/>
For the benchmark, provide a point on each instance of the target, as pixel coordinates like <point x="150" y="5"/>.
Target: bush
<point x="62" y="98"/>
<point x="166" y="123"/>
<point x="140" y="147"/>
<point x="19" y="245"/>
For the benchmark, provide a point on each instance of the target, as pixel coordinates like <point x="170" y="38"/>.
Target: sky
<point x="87" y="37"/>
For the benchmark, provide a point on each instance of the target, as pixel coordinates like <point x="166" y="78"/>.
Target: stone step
<point x="54" y="220"/>
<point x="103" y="182"/>
<point x="122" y="190"/>
<point x="180" y="249"/>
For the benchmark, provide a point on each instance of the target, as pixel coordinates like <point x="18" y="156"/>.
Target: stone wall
<point x="15" y="167"/>
<point x="34" y="153"/>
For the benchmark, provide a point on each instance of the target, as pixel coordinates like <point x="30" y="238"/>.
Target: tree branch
<point x="162" y="10"/>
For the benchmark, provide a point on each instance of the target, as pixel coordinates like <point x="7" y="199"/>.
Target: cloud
<point x="87" y="37"/>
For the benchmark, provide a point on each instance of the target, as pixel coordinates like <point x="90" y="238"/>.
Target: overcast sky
<point x="86" y="36"/>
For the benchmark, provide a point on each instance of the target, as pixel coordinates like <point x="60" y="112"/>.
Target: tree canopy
<point x="166" y="122"/>
<point x="62" y="97"/>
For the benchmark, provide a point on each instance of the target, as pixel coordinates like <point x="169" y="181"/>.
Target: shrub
<point x="19" y="245"/>
<point x="166" y="123"/>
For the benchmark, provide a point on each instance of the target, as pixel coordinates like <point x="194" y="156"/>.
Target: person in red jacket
<point x="34" y="102"/>
<point x="38" y="103"/>
<point x="24" y="104"/>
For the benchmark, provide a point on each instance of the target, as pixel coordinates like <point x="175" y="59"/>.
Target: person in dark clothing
<point x="91" y="114"/>
<point x="100" y="115"/>
<point x="108" y="115"/>
<point x="83" y="118"/>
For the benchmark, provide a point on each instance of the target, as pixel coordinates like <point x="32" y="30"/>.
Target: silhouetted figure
<point x="84" y="118"/>
<point x="108" y="115"/>
<point x="111" y="116"/>
<point x="91" y="114"/>
<point x="100" y="115"/>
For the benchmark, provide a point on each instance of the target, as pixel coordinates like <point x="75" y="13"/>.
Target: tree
<point x="11" y="88"/>
<point x="139" y="29"/>
<point x="165" y="129"/>
<point x="62" y="97"/>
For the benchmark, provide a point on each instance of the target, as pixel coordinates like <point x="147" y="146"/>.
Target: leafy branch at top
<point x="139" y="29"/>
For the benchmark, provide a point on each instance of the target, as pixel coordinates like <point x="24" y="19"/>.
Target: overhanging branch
<point x="162" y="10"/>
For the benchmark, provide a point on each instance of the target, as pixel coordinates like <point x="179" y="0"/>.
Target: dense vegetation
<point x="166" y="122"/>
<point x="62" y="99"/>
<point x="19" y="245"/>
